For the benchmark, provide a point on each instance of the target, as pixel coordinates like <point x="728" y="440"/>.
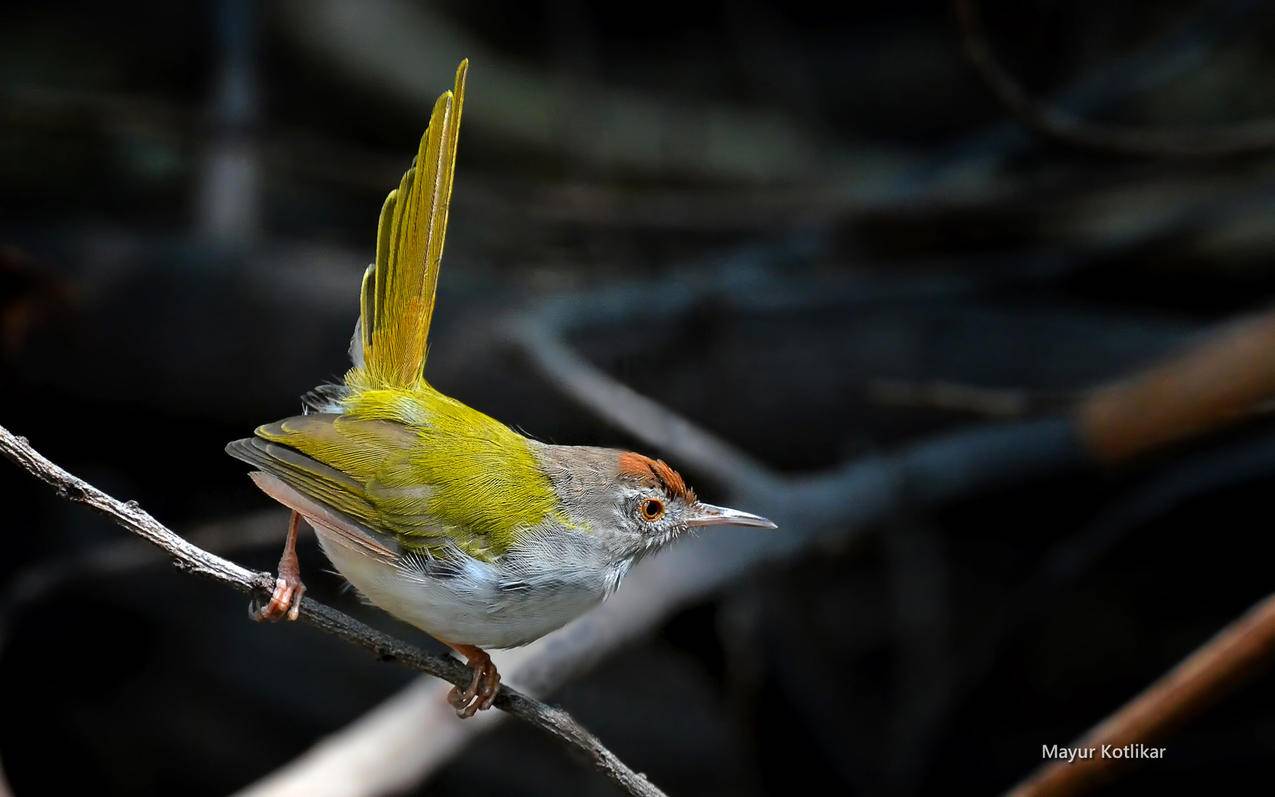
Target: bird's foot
<point x="285" y="601"/>
<point x="482" y="689"/>
<point x="288" y="589"/>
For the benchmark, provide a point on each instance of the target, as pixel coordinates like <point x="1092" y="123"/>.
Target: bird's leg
<point x="482" y="689"/>
<point x="288" y="589"/>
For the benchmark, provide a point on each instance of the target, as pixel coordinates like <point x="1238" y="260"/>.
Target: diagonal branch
<point x="1212" y="671"/>
<point x="192" y="559"/>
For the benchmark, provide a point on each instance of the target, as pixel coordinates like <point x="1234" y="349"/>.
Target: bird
<point x="447" y="519"/>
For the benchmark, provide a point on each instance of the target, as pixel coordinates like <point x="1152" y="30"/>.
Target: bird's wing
<point x="397" y="298"/>
<point x="399" y="458"/>
<point x="360" y="538"/>
<point x="422" y="494"/>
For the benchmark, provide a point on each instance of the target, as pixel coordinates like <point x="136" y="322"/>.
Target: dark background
<point x="188" y="194"/>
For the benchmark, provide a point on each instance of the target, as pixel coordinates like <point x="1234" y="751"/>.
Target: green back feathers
<point x="420" y="466"/>
<point x="482" y="478"/>
<point x="401" y="458"/>
<point x="397" y="298"/>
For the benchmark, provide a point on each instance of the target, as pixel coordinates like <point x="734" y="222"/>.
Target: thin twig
<point x="192" y="559"/>
<point x="1214" y="670"/>
<point x="1244" y="139"/>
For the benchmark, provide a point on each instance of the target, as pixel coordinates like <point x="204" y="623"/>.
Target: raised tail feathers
<point x="397" y="295"/>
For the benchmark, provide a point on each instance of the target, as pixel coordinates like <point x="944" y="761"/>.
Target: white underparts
<point x="540" y="586"/>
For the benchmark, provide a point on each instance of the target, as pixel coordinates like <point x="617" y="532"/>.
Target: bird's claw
<point x="482" y="689"/>
<point x="285" y="601"/>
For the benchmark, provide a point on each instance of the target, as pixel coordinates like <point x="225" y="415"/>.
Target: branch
<point x="1236" y="653"/>
<point x="1223" y="377"/>
<point x="191" y="559"/>
<point x="945" y="396"/>
<point x="642" y="417"/>
<point x="1245" y="139"/>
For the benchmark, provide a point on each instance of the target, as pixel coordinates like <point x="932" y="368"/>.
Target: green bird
<point x="438" y="514"/>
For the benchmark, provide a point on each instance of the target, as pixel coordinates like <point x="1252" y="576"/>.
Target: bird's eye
<point x="652" y="509"/>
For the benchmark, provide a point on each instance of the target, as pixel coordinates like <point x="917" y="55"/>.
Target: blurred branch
<point x="230" y="186"/>
<point x="955" y="397"/>
<point x="1228" y="374"/>
<point x="1222" y="378"/>
<point x="401" y="48"/>
<point x="191" y="559"/>
<point x="1235" y="654"/>
<point x="1036" y="596"/>
<point x="638" y="415"/>
<point x="1245" y="139"/>
<point x="127" y="555"/>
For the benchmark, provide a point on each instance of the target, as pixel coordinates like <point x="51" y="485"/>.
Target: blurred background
<point x="899" y="268"/>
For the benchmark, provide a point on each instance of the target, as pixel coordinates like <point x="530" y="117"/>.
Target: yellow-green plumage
<point x="397" y="299"/>
<point x="442" y="516"/>
<point x="439" y="472"/>
<point x="400" y="457"/>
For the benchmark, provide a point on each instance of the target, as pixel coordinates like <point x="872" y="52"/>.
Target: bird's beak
<point x="709" y="515"/>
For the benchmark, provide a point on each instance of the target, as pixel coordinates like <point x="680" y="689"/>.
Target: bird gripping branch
<point x="440" y="515"/>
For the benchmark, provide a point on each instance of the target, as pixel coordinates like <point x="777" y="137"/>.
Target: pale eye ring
<point x="651" y="509"/>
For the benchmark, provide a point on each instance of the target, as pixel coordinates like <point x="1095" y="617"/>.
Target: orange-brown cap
<point x="657" y="473"/>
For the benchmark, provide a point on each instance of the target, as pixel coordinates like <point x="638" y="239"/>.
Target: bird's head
<point x="642" y="503"/>
<point x="655" y="505"/>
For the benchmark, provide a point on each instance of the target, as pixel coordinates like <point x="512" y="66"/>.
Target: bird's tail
<point x="397" y="299"/>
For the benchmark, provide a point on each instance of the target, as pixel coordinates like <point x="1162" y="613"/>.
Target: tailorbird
<point x="444" y="517"/>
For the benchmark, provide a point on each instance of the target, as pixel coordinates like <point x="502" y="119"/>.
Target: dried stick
<point x="1236" y="653"/>
<point x="1228" y="374"/>
<point x="1244" y="139"/>
<point x="192" y="559"/>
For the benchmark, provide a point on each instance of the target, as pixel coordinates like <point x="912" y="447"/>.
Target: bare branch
<point x="1236" y="653"/>
<point x="192" y="559"/>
